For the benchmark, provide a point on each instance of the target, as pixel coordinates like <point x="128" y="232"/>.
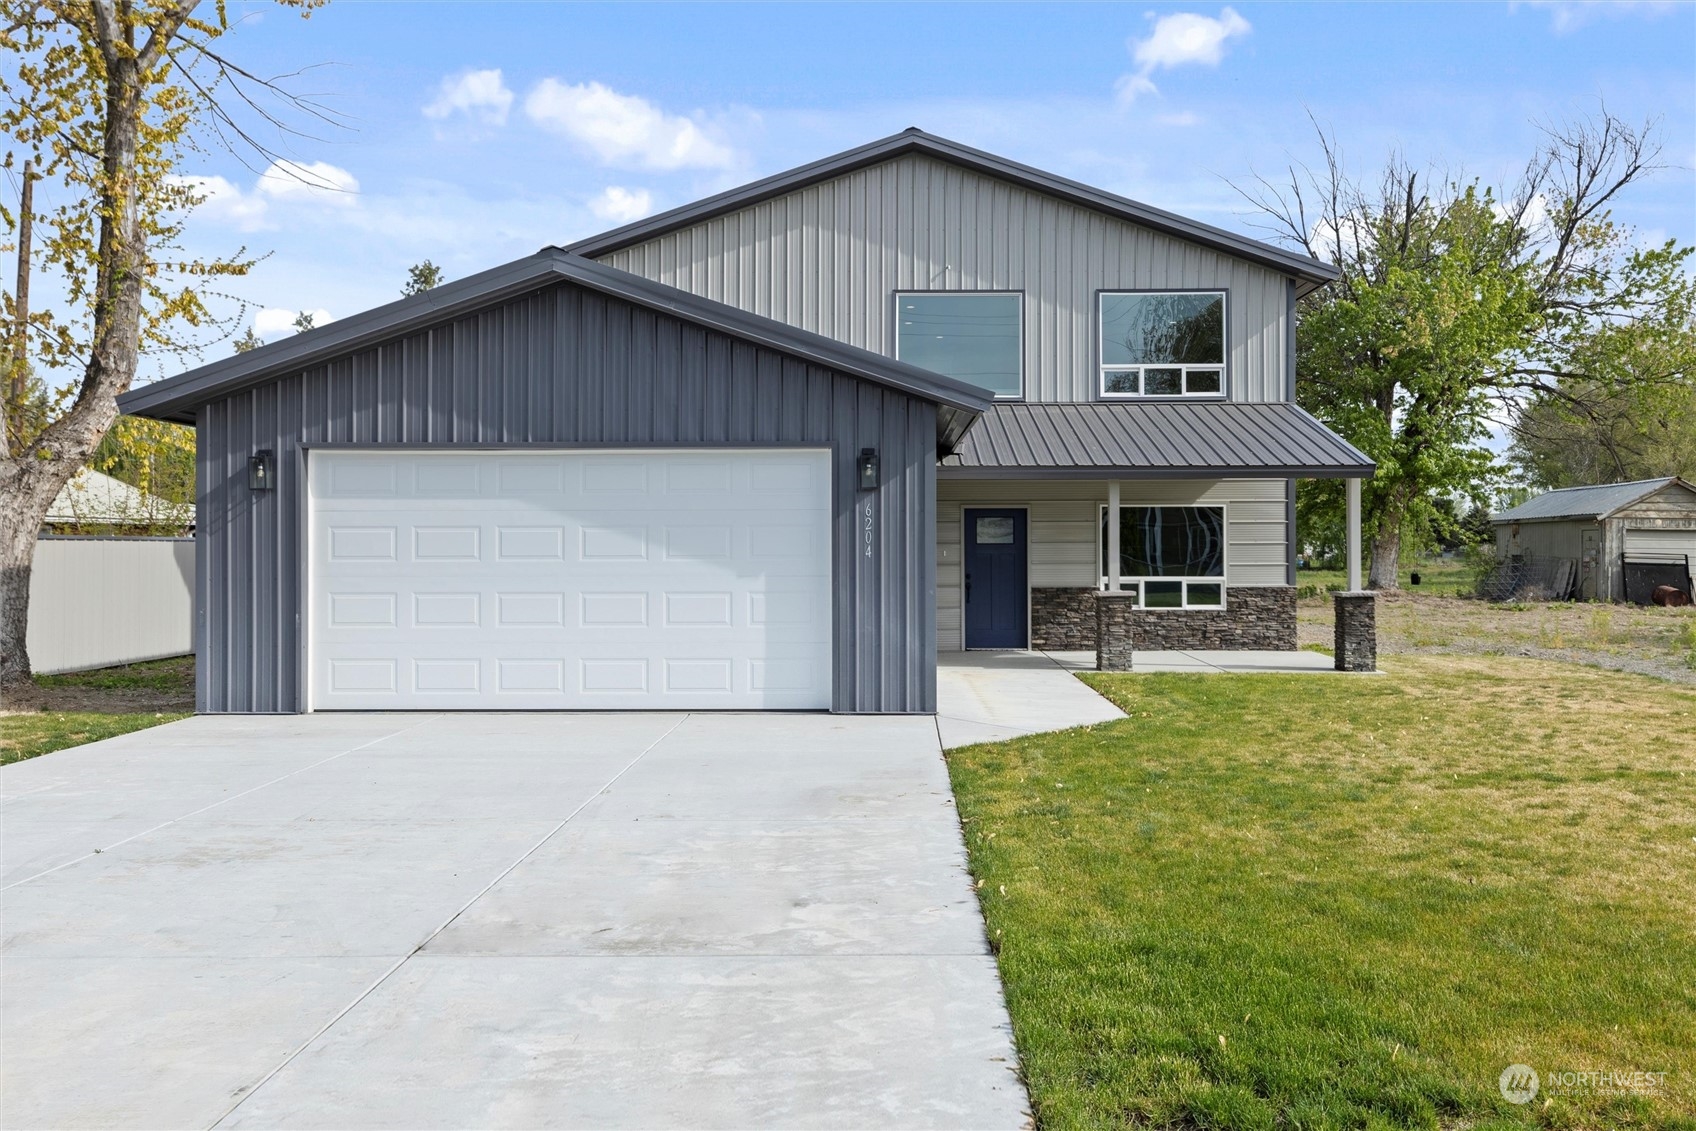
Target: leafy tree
<point x="248" y="341"/>
<point x="1459" y="307"/>
<point x="100" y="101"/>
<point x="421" y="277"/>
<point x="154" y="456"/>
<point x="304" y="321"/>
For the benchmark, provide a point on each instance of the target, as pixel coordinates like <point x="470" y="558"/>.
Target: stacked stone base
<point x="1356" y="635"/>
<point x="1257" y="619"/>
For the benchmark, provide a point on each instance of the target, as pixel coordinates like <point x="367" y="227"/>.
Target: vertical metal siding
<point x="829" y="257"/>
<point x="564" y="366"/>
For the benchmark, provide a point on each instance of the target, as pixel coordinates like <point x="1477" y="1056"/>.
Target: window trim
<point x="1187" y="580"/>
<point x="1223" y="368"/>
<point x="895" y="331"/>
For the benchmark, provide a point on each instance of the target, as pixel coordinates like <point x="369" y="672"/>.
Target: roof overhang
<point x="1153" y="440"/>
<point x="180" y="398"/>
<point x="1308" y="273"/>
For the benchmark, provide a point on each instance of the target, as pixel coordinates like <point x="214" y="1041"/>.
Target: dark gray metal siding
<point x="565" y="366"/>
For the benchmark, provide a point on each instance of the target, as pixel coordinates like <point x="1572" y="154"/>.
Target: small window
<point x="970" y="337"/>
<point x="995" y="531"/>
<point x="1163" y="345"/>
<point x="1170" y="557"/>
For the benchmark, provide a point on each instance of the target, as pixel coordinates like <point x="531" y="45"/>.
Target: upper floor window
<point x="1169" y="344"/>
<point x="972" y="337"/>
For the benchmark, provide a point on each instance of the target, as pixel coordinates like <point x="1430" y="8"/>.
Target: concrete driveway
<point x="496" y="920"/>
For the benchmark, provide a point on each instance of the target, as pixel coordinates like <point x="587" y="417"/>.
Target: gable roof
<point x="92" y="497"/>
<point x="178" y="398"/>
<point x="1153" y="440"/>
<point x="1593" y="502"/>
<point x="1310" y="274"/>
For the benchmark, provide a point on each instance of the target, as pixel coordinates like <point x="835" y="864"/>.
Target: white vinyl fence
<point x="97" y="601"/>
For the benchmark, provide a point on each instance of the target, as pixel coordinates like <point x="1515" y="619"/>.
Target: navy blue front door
<point x="995" y="578"/>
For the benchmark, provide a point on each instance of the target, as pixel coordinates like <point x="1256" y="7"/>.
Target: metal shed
<point x="1610" y="529"/>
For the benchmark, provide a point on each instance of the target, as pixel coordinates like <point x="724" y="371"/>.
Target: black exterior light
<point x="260" y="470"/>
<point x="868" y="469"/>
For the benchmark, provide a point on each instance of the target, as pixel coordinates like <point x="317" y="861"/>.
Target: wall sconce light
<point x="868" y="469"/>
<point x="260" y="470"/>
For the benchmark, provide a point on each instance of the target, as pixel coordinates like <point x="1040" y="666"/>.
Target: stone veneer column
<point x="1114" y="625"/>
<point x="1357" y="631"/>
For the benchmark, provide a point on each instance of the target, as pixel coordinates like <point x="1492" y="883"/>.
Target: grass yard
<point x="1308" y="901"/>
<point x="69" y="710"/>
<point x="1443" y="577"/>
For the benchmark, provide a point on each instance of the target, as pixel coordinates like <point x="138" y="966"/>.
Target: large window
<point x="1170" y="557"/>
<point x="971" y="337"/>
<point x="1163" y="345"/>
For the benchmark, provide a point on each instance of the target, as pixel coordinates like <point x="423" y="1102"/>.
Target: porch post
<point x="1112" y="535"/>
<point x="1354" y="535"/>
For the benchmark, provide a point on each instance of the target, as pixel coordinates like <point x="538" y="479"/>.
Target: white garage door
<point x="1661" y="542"/>
<point x="607" y="580"/>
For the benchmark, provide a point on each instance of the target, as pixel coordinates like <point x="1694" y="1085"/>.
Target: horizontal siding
<point x="1063" y="530"/>
<point x="829" y="257"/>
<point x="564" y="366"/>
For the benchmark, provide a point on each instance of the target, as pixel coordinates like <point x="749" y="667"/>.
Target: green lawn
<point x="42" y="732"/>
<point x="1311" y="901"/>
<point x="84" y="707"/>
<point x="1439" y="576"/>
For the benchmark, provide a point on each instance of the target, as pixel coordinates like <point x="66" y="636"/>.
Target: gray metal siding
<point x="829" y="257"/>
<point x="568" y="367"/>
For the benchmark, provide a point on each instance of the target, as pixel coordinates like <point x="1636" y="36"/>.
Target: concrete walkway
<point x="495" y="920"/>
<point x="1203" y="660"/>
<point x="991" y="696"/>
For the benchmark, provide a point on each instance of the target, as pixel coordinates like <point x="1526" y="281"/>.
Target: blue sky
<point x="600" y="113"/>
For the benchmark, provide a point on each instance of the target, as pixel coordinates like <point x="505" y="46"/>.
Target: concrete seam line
<point x="221" y="801"/>
<point x="448" y="922"/>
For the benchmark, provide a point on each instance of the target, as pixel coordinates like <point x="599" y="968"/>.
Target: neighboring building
<point x="1605" y="529"/>
<point x="93" y="503"/>
<point x="773" y="449"/>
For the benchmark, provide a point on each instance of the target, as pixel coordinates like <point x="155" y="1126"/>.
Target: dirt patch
<point x="163" y="686"/>
<point x="1627" y="638"/>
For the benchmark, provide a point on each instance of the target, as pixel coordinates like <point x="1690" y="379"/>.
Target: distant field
<point x="1442" y="576"/>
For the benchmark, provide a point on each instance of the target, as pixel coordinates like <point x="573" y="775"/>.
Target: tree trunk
<point x="1386" y="555"/>
<point x="29" y="490"/>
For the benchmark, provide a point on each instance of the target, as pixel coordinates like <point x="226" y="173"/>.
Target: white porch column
<point x="1113" y="536"/>
<point x="1354" y="535"/>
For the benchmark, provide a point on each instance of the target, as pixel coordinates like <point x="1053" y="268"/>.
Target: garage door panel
<point x="571" y="580"/>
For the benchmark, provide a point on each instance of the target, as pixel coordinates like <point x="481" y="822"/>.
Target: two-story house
<point x="774" y="449"/>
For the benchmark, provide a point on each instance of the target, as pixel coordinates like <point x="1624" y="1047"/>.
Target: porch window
<point x="974" y="337"/>
<point x="1170" y="557"/>
<point x="1162" y="344"/>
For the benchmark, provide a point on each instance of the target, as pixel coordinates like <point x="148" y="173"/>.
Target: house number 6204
<point x="866" y="526"/>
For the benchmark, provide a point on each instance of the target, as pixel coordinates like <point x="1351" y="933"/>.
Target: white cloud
<point x="275" y="322"/>
<point x="1570" y="15"/>
<point x="621" y="205"/>
<point x="481" y="95"/>
<point x="1181" y="39"/>
<point x="622" y="129"/>
<point x="224" y="202"/>
<point x="317" y="181"/>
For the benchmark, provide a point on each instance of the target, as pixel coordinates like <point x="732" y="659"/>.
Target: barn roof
<point x="1594" y="502"/>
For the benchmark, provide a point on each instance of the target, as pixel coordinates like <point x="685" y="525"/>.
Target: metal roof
<point x="1153" y="440"/>
<point x="1310" y="273"/>
<point x="177" y="398"/>
<point x="1594" y="502"/>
